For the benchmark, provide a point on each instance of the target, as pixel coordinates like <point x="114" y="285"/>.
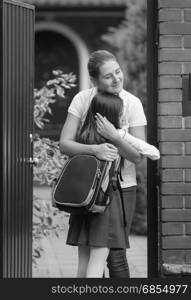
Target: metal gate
<point x="16" y="93"/>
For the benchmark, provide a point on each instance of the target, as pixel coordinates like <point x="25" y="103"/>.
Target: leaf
<point x="60" y="91"/>
<point x="37" y="253"/>
<point x="52" y="82"/>
<point x="57" y="72"/>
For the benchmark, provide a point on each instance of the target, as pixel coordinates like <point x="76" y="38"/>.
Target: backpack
<point x="78" y="189"/>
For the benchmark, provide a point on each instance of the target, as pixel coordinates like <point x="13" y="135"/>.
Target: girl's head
<point x="105" y="72"/>
<point x="109" y="106"/>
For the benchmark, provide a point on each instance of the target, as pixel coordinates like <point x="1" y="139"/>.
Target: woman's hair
<point x="96" y="59"/>
<point x="109" y="106"/>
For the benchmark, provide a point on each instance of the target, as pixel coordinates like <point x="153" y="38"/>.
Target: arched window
<point x="74" y="38"/>
<point x="58" y="47"/>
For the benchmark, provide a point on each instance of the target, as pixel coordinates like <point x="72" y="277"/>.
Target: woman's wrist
<point x="122" y="132"/>
<point x="116" y="138"/>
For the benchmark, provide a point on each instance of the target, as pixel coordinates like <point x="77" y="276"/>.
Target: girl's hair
<point x="109" y="106"/>
<point x="96" y="59"/>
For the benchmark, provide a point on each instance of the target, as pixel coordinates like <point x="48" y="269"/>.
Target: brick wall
<point x="174" y="59"/>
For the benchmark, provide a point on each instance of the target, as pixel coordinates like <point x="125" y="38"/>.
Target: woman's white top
<point x="133" y="115"/>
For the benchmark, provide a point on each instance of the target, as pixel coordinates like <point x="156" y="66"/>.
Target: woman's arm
<point x="107" y="130"/>
<point x="69" y="146"/>
<point x="140" y="145"/>
<point x="138" y="131"/>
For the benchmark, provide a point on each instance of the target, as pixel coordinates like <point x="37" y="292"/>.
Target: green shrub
<point x="49" y="159"/>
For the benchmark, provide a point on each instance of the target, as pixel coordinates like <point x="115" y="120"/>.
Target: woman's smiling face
<point x="110" y="78"/>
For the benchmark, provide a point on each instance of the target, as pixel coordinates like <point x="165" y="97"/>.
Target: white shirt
<point x="141" y="146"/>
<point x="133" y="115"/>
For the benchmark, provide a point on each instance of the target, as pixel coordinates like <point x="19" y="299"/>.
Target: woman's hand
<point x="106" y="128"/>
<point x="106" y="152"/>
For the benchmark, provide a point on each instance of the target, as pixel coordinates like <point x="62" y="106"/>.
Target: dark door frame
<point x="152" y="168"/>
<point x="1" y="161"/>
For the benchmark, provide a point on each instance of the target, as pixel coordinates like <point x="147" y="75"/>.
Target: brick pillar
<point x="174" y="59"/>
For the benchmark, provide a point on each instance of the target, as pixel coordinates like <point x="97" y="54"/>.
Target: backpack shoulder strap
<point x="113" y="174"/>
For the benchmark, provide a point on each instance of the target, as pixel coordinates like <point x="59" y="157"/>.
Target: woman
<point x="106" y="75"/>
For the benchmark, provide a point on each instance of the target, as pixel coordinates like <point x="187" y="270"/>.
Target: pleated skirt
<point x="107" y="229"/>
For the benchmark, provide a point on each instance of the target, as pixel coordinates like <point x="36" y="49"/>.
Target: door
<point x="16" y="92"/>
